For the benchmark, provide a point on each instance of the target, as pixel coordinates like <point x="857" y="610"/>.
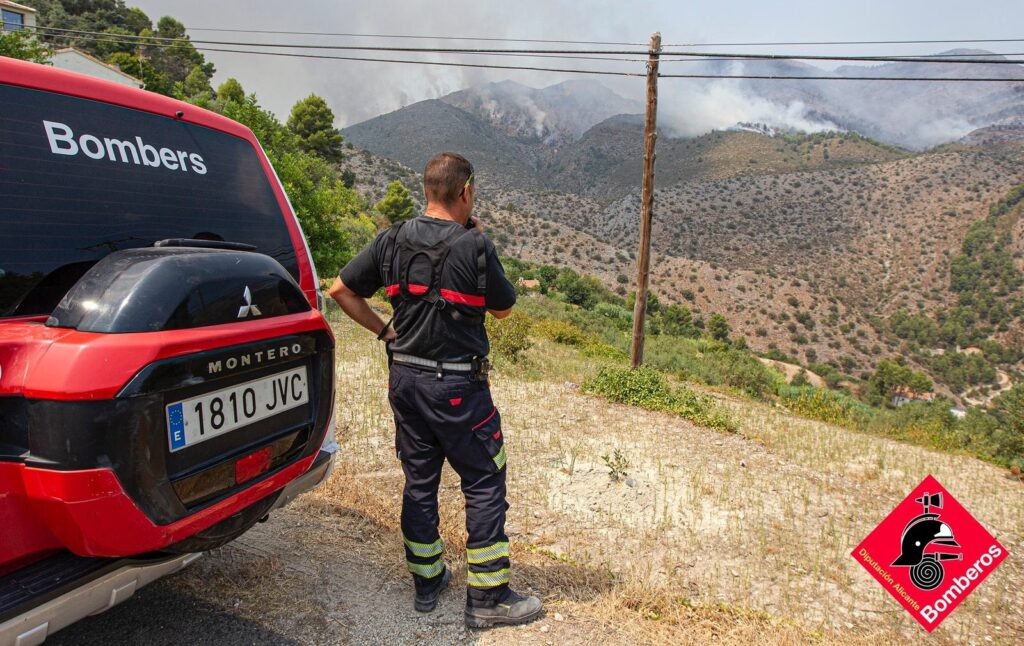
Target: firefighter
<point x="442" y="276"/>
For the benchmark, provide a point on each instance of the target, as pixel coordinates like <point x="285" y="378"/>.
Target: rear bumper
<point x="91" y="515"/>
<point x="104" y="592"/>
<point x="92" y="598"/>
<point x="317" y="474"/>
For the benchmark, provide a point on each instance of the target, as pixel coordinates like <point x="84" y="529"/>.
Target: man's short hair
<point x="445" y="176"/>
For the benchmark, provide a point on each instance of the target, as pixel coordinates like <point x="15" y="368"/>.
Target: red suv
<point x="166" y="374"/>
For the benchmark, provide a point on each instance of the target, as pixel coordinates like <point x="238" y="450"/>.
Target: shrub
<point x="927" y="424"/>
<point x="560" y="332"/>
<point x="823" y="405"/>
<point x="598" y="350"/>
<point x="510" y="336"/>
<point x="648" y="388"/>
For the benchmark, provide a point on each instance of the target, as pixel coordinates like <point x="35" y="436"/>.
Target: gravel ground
<point x="304" y="577"/>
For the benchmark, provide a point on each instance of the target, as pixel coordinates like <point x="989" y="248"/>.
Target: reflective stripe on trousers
<point x="451" y="418"/>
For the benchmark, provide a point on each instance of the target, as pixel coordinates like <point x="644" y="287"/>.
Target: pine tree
<point x="396" y="205"/>
<point x="231" y="90"/>
<point x="312" y="120"/>
<point x="718" y="327"/>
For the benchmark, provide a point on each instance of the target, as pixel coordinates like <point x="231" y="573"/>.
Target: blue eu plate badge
<point x="176" y="426"/>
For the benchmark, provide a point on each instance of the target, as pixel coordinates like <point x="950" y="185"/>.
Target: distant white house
<point x="16" y="16"/>
<point x="906" y="395"/>
<point x="958" y="412"/>
<point x="75" y="60"/>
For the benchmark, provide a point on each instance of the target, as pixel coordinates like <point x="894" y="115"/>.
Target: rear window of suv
<point x="80" y="179"/>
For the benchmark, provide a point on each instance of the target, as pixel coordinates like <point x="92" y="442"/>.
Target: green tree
<point x="396" y="205"/>
<point x="718" y="327"/>
<point x="114" y="41"/>
<point x="231" y="90"/>
<point x="332" y="215"/>
<point x="890" y="376"/>
<point x="1009" y="410"/>
<point x="547" y="274"/>
<point x="135" y="20"/>
<point x="195" y="88"/>
<point x="23" y="45"/>
<point x="578" y="290"/>
<point x="678" y="320"/>
<point x="153" y="79"/>
<point x="313" y="122"/>
<point x="168" y="27"/>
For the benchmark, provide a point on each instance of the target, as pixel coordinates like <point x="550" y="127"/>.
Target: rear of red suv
<point x="166" y="376"/>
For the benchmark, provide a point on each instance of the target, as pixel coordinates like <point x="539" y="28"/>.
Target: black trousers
<point x="452" y="417"/>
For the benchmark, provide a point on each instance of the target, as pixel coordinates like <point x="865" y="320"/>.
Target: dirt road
<point x="307" y="576"/>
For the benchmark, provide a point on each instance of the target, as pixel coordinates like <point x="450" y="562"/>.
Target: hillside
<point x="915" y="115"/>
<point x="552" y="116"/>
<point x="811" y="263"/>
<point x="507" y="120"/>
<point x="607" y="161"/>
<point x="842" y="248"/>
<point x="413" y="134"/>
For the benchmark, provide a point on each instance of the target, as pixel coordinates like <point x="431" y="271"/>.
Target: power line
<point x="789" y="77"/>
<point x="154" y="41"/>
<point x="933" y="58"/>
<point x="743" y="57"/>
<point x="424" y="62"/>
<point x="378" y="60"/>
<point x="498" y="52"/>
<point x="116" y="41"/>
<point x="106" y="38"/>
<point x="854" y="42"/>
<point x="413" y="37"/>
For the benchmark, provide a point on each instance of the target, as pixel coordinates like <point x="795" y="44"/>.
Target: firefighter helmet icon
<point x="926" y="543"/>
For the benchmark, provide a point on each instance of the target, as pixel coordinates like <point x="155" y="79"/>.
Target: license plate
<point x="198" y="419"/>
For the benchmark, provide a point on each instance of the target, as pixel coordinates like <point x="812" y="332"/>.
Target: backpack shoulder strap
<point x="389" y="250"/>
<point x="481" y="262"/>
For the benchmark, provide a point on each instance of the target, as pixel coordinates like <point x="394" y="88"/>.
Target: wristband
<point x="384" y="330"/>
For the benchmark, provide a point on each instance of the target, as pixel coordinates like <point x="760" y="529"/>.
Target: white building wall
<point x="76" y="62"/>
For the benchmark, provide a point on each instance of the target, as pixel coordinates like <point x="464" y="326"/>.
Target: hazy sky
<point x="359" y="90"/>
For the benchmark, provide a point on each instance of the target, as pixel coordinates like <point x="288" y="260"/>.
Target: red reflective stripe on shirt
<point x="393" y="290"/>
<point x="447" y="294"/>
<point x="462" y="299"/>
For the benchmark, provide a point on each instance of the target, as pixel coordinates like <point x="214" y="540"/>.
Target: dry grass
<point x="712" y="536"/>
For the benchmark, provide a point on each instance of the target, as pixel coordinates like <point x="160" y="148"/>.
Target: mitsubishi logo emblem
<point x="248" y="308"/>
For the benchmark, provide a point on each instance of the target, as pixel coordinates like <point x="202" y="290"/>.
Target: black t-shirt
<point x="422" y="330"/>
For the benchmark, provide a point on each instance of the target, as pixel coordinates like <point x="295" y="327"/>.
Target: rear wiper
<point x="204" y="244"/>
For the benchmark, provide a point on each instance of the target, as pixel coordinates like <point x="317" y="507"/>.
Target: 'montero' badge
<point x="929" y="553"/>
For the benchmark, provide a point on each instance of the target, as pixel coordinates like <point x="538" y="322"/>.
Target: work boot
<point x="515" y="609"/>
<point x="428" y="601"/>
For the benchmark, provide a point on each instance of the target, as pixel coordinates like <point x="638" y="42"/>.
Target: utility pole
<point x="643" y="258"/>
